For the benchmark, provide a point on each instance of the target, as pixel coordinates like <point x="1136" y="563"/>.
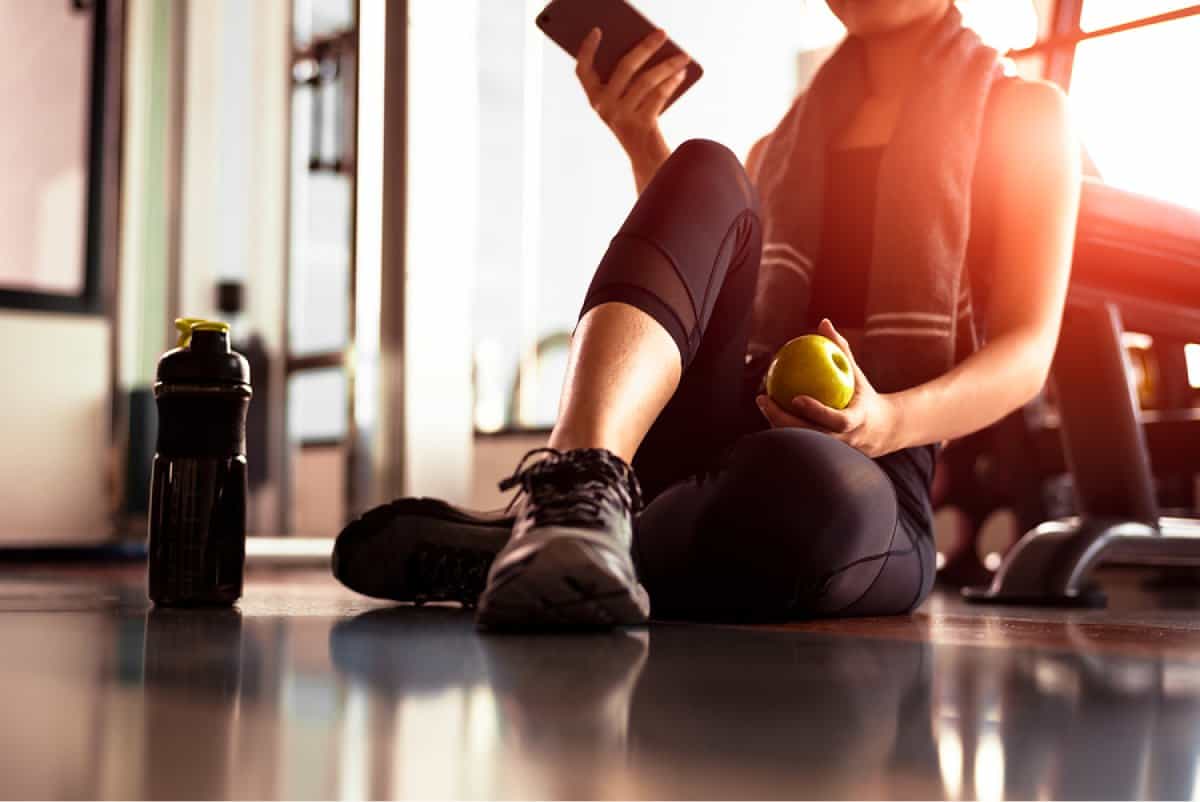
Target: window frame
<point x="1065" y="34"/>
<point x="103" y="186"/>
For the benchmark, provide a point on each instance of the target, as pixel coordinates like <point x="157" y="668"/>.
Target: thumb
<point x="826" y="329"/>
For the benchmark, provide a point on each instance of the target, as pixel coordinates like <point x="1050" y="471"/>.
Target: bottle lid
<point x="203" y="355"/>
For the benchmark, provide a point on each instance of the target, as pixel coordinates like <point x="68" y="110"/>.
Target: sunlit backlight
<point x="1135" y="339"/>
<point x="995" y="536"/>
<point x="1191" y="353"/>
<point x="1054" y="679"/>
<point x="820" y="28"/>
<point x="1130" y="96"/>
<point x="1003" y="24"/>
<point x="1102" y="13"/>
<point x="950" y="759"/>
<point x="427" y="756"/>
<point x="352" y="768"/>
<point x="989" y="768"/>
<point x="482" y="721"/>
<point x="368" y="221"/>
<point x="284" y="549"/>
<point x="489" y="414"/>
<point x="490" y="409"/>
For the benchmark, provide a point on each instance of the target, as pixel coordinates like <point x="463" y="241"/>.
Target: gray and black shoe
<point x="568" y="563"/>
<point x="420" y="550"/>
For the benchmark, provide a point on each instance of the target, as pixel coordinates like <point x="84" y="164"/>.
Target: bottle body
<point x="198" y="496"/>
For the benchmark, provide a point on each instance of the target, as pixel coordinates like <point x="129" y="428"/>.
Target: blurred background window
<point x="1133" y="98"/>
<point x="321" y="255"/>
<point x="1099" y="14"/>
<point x="317" y="407"/>
<point x="320" y="19"/>
<point x="43" y="210"/>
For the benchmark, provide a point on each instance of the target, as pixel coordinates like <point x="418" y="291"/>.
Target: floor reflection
<point x="712" y="712"/>
<point x="113" y="700"/>
<point x="547" y="717"/>
<point x="192" y="670"/>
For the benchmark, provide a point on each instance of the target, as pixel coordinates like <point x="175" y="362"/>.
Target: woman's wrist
<point x="892" y="407"/>
<point x="647" y="156"/>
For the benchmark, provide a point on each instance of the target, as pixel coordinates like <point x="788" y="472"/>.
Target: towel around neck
<point x="916" y="283"/>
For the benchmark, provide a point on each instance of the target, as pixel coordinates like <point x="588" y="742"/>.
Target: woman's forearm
<point x="999" y="378"/>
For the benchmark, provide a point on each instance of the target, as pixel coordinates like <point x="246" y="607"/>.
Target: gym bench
<point x="1136" y="262"/>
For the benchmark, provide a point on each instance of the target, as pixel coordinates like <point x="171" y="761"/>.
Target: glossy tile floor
<point x="308" y="691"/>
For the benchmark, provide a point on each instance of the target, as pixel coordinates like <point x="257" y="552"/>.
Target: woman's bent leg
<point x="665" y="280"/>
<point x="796" y="524"/>
<point x="568" y="561"/>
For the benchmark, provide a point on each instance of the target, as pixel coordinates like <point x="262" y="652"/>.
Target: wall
<point x="55" y="429"/>
<point x="54" y="422"/>
<point x="495" y="458"/>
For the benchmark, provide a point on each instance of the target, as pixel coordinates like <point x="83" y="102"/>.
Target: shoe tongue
<point x="566" y="472"/>
<point x="569" y="469"/>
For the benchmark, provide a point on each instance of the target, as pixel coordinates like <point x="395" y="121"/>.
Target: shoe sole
<point x="565" y="583"/>
<point x="370" y="554"/>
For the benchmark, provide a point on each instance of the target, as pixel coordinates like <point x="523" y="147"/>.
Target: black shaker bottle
<point x="198" y="484"/>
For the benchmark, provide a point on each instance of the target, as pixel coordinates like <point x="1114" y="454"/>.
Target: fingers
<point x="806" y="413"/>
<point x="633" y="61"/>
<point x="777" y="416"/>
<point x="656" y="101"/>
<point x="585" y="64"/>
<point x="648" y="81"/>
<point x="827" y="418"/>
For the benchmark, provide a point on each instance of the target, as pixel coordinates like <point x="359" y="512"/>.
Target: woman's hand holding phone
<point x="630" y="103"/>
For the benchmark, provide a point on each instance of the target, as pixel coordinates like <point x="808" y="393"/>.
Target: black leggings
<point x="745" y="521"/>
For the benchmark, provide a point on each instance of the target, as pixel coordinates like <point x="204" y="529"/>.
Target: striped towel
<point x="917" y="293"/>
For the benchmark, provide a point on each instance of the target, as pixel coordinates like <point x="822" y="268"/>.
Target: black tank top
<point x="839" y="290"/>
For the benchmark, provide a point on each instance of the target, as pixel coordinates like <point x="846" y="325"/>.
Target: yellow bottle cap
<point x="186" y="325"/>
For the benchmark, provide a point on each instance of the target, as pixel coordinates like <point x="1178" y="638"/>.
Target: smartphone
<point x="568" y="22"/>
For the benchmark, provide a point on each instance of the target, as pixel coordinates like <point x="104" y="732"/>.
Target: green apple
<point x="811" y="365"/>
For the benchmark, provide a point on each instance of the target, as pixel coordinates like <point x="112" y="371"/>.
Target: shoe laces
<point x="572" y="487"/>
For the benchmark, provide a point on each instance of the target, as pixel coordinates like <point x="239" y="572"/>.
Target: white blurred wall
<point x="442" y="181"/>
<point x="54" y="427"/>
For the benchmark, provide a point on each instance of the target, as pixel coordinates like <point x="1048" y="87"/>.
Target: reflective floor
<point x="308" y="691"/>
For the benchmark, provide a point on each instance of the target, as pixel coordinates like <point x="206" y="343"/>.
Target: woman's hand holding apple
<point x="867" y="423"/>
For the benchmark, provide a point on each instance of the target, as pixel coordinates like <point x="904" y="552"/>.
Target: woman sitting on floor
<point x="915" y="196"/>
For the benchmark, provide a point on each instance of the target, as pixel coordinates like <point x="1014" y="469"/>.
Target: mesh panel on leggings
<point x="693" y="224"/>
<point x="636" y="272"/>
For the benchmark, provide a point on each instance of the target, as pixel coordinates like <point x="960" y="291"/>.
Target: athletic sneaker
<point x="420" y="550"/>
<point x="568" y="563"/>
